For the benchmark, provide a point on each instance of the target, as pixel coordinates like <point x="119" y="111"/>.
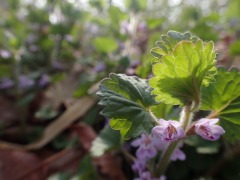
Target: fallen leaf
<point x="14" y="162"/>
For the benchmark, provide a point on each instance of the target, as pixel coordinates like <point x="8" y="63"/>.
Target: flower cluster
<point x="147" y="148"/>
<point x="162" y="135"/>
<point x="170" y="131"/>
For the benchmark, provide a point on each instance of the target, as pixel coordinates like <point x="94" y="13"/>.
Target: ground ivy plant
<point x="184" y="75"/>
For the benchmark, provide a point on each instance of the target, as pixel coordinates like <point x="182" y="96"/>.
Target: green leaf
<point x="126" y="100"/>
<point x="108" y="139"/>
<point x="153" y="23"/>
<point x="86" y="169"/>
<point x="168" y="42"/>
<point x="223" y="98"/>
<point x="178" y="78"/>
<point x="231" y="131"/>
<point x="203" y="146"/>
<point x="162" y="110"/>
<point x="234" y="48"/>
<point x="46" y="112"/>
<point x="116" y="15"/>
<point x="105" y="44"/>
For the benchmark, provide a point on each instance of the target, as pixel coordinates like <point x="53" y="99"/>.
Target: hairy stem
<point x="185" y="119"/>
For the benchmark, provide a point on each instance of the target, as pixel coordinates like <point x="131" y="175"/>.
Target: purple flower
<point x="146" y="175"/>
<point x="142" y="26"/>
<point x="99" y="67"/>
<point x="25" y="82"/>
<point x="168" y="131"/>
<point x="146" y="147"/>
<point x="44" y="80"/>
<point x="6" y="83"/>
<point x="159" y="143"/>
<point x="178" y="155"/>
<point x="139" y="165"/>
<point x="124" y="27"/>
<point x="5" y="54"/>
<point x="57" y="65"/>
<point x="207" y="129"/>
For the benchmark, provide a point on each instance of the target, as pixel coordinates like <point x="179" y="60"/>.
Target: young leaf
<point x="126" y="100"/>
<point x="168" y="42"/>
<point x="107" y="139"/>
<point x="178" y="78"/>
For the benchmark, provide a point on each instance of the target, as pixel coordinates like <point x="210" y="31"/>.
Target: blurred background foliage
<point x="54" y="52"/>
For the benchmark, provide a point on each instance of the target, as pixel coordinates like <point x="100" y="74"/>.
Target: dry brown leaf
<point x="85" y="133"/>
<point x="109" y="166"/>
<point x="77" y="110"/>
<point x="14" y="162"/>
<point x="8" y="111"/>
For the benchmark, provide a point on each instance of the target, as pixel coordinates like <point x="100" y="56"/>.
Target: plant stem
<point x="162" y="166"/>
<point x="153" y="117"/>
<point x="185" y="119"/>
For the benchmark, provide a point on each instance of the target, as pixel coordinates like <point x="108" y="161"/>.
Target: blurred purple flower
<point x="32" y="38"/>
<point x="69" y="38"/>
<point x="142" y="26"/>
<point x="146" y="147"/>
<point x="169" y="130"/>
<point x="178" y="155"/>
<point x="25" y="82"/>
<point x="99" y="67"/>
<point x="159" y="143"/>
<point x="5" y="54"/>
<point x="134" y="63"/>
<point x="33" y="48"/>
<point x="6" y="83"/>
<point x="44" y="80"/>
<point x="207" y="129"/>
<point x="124" y="27"/>
<point x="57" y="65"/>
<point x="146" y="175"/>
<point x="139" y="166"/>
<point x="130" y="71"/>
<point x="91" y="28"/>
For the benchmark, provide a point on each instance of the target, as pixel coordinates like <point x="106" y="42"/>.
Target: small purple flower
<point x="124" y="27"/>
<point x="6" y="83"/>
<point x="207" y="129"/>
<point x="99" y="67"/>
<point x="57" y="65"/>
<point x="168" y="131"/>
<point x="139" y="165"/>
<point x="25" y="82"/>
<point x="5" y="54"/>
<point x="159" y="143"/>
<point x="44" y="80"/>
<point x="146" y="147"/>
<point x="178" y="155"/>
<point x="146" y="175"/>
<point x="142" y="26"/>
